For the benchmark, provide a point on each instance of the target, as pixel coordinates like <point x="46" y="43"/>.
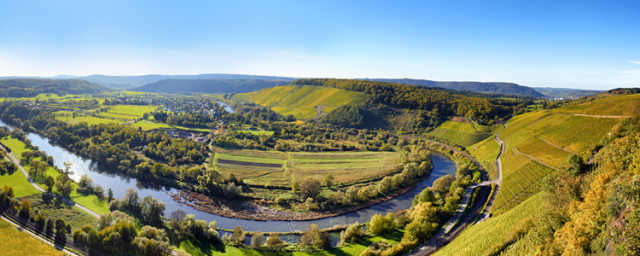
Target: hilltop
<point x="565" y="93"/>
<point x="481" y="87"/>
<point x="33" y="87"/>
<point x="302" y="101"/>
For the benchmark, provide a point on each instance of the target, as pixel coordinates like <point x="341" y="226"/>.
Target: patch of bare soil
<point x="233" y="162"/>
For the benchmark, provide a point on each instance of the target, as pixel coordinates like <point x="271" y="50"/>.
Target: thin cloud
<point x="634" y="61"/>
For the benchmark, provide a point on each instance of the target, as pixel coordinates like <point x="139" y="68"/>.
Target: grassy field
<point x="22" y="187"/>
<point x="68" y="117"/>
<point x="17" y="180"/>
<point x="301" y="101"/>
<point x="493" y="230"/>
<point x="283" y="168"/>
<point x="15" y="242"/>
<point x="463" y="133"/>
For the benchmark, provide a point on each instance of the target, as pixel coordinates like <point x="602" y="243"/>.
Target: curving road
<point x="475" y="214"/>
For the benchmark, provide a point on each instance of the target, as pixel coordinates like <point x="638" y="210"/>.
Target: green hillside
<point x="463" y="133"/>
<point x="479" y="238"/>
<point x="302" y="101"/>
<point x="538" y="142"/>
<point x="33" y="87"/>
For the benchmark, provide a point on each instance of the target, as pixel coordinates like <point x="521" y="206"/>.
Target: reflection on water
<point x="226" y="106"/>
<point x="119" y="183"/>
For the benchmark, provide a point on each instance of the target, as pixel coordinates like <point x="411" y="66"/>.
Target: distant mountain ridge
<point x="498" y="88"/>
<point x="129" y="82"/>
<point x="33" y="87"/>
<point x="186" y="86"/>
<point x="565" y="93"/>
<point x="482" y="87"/>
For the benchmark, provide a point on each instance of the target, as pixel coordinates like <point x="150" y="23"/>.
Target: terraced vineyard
<point x="301" y="101"/>
<point x="536" y="143"/>
<point x="463" y="133"/>
<point x="479" y="238"/>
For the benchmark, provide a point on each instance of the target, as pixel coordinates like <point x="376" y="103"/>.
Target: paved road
<point x="12" y="157"/>
<point x="455" y="225"/>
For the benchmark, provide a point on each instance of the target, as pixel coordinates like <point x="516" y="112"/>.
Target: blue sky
<point x="575" y="44"/>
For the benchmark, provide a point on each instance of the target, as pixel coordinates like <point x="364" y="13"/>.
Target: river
<point x="225" y="106"/>
<point x="120" y="183"/>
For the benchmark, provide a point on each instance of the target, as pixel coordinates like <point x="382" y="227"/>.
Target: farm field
<point x="69" y="117"/>
<point x="301" y="101"/>
<point x="463" y="133"/>
<point x="277" y="168"/>
<point x="479" y="238"/>
<point x="15" y="242"/>
<point x="346" y="168"/>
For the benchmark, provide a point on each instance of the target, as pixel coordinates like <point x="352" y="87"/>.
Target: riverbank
<point x="256" y="211"/>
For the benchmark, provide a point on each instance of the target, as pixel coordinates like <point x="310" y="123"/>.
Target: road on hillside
<point x="456" y="225"/>
<point x="12" y="157"/>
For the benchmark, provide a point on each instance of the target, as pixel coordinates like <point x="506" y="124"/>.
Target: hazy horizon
<point x="568" y="44"/>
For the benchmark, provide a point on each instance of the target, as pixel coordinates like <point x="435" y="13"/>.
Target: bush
<point x="379" y="224"/>
<point x="257" y="240"/>
<point x="274" y="241"/>
<point x="351" y="234"/>
<point x="280" y="201"/>
<point x="314" y="238"/>
<point x="309" y="188"/>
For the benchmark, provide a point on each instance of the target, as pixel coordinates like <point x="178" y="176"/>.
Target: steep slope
<point x="462" y="132"/>
<point x="482" y="87"/>
<point x="539" y="142"/>
<point x="186" y="86"/>
<point x="537" y="145"/>
<point x="33" y="87"/>
<point x="302" y="101"/>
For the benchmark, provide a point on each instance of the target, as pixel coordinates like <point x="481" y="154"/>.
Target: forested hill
<point x="33" y="87"/>
<point x="129" y="82"/>
<point x="439" y="102"/>
<point x="186" y="86"/>
<point x="481" y="87"/>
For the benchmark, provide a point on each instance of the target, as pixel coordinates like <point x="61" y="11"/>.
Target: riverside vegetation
<point x="322" y="157"/>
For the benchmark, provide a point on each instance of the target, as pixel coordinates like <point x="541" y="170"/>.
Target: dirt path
<point x="556" y="146"/>
<point x="14" y="159"/>
<point x="455" y="225"/>
<point x="600" y="116"/>
<point x="518" y="153"/>
<point x="234" y="162"/>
